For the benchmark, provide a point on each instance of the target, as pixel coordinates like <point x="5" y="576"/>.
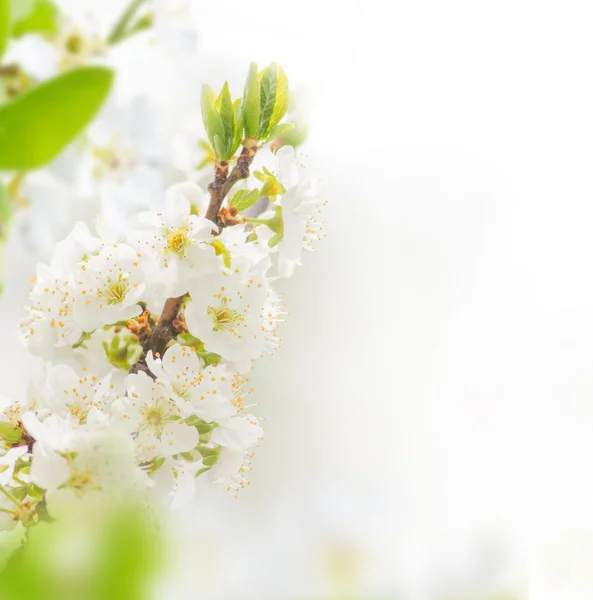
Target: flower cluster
<point x="147" y="336"/>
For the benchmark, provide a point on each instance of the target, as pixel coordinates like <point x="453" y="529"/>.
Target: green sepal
<point x="209" y="358"/>
<point x="202" y="426"/>
<point x="210" y="456"/>
<point x="20" y="493"/>
<point x="275" y="224"/>
<point x="153" y="465"/>
<point x="221" y="250"/>
<point x="10" y="434"/>
<point x="275" y="240"/>
<point x="272" y="187"/>
<point x="187" y="339"/>
<point x="85" y="337"/>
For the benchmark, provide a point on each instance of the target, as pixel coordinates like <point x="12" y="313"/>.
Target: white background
<point x="435" y="387"/>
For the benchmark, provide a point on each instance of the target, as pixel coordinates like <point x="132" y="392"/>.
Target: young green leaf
<point x="222" y="121"/>
<point x="244" y="199"/>
<point x="267" y="99"/>
<point x="238" y="126"/>
<point x="280" y="130"/>
<point x="33" y="16"/>
<point x="250" y="107"/>
<point x="4" y="25"/>
<point x="210" y="116"/>
<point x="36" y="126"/>
<point x="227" y="118"/>
<point x="282" y="98"/>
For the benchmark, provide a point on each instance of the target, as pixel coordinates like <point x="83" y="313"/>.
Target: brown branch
<point x="162" y="334"/>
<point x="222" y="185"/>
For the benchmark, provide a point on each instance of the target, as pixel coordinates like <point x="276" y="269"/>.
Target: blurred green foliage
<point x="4" y="25"/>
<point x="37" y="125"/>
<point x="33" y="16"/>
<point x="113" y="556"/>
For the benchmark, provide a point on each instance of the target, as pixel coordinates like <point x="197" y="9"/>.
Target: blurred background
<point x="429" y="418"/>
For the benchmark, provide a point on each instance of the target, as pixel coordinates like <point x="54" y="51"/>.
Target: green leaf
<point x="210" y="116"/>
<point x="227" y="118"/>
<point x="267" y="99"/>
<point x="275" y="239"/>
<point x="280" y="130"/>
<point x="36" y="126"/>
<point x="4" y="25"/>
<point x="282" y="97"/>
<point x="238" y="126"/>
<point x="33" y="16"/>
<point x="243" y="199"/>
<point x="250" y="107"/>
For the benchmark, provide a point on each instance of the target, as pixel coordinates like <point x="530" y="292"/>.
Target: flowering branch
<point x="179" y="411"/>
<point x="223" y="184"/>
<point x="165" y="330"/>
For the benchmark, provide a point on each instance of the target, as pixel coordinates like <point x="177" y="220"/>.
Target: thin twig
<point x="220" y="187"/>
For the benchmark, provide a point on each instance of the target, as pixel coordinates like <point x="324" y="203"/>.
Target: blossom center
<point x="224" y="317"/>
<point x="115" y="291"/>
<point x="182" y="390"/>
<point x="154" y="416"/>
<point x="79" y="481"/>
<point x="178" y="242"/>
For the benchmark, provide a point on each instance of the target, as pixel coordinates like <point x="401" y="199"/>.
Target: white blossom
<point x="176" y="240"/>
<point x="233" y="316"/>
<point x="109" y="286"/>
<point x="155" y="419"/>
<point x="86" y="459"/>
<point x="300" y="204"/>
